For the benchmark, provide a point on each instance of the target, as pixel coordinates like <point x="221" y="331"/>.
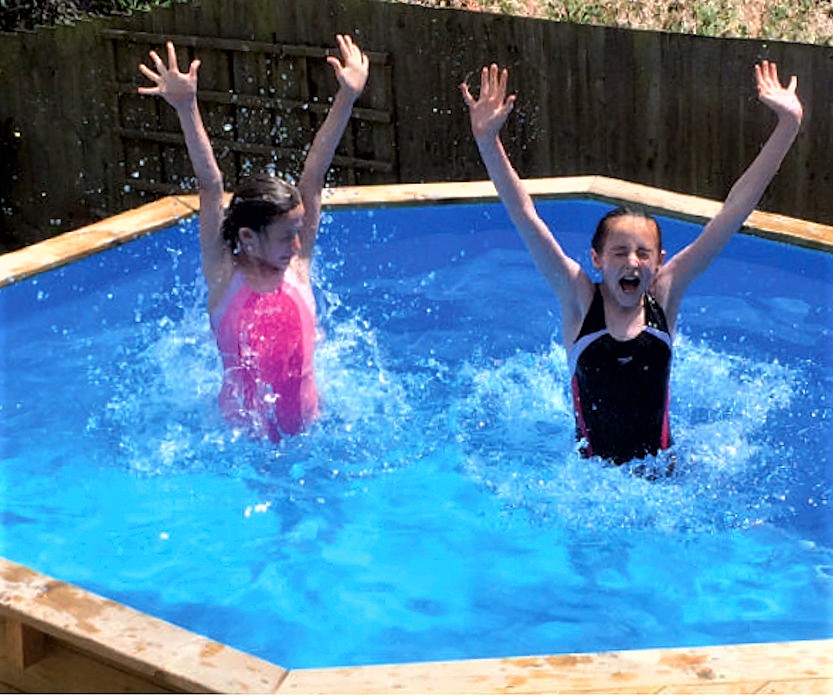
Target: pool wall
<point x="55" y="637"/>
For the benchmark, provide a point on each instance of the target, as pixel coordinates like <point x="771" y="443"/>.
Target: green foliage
<point x="808" y="21"/>
<point x="28" y="14"/>
<point x="583" y="12"/>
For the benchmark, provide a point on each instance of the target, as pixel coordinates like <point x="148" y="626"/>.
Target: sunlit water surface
<point x="439" y="510"/>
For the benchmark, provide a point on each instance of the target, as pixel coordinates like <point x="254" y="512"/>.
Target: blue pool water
<point x="439" y="510"/>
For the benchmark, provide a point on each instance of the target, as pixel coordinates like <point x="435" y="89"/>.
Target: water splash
<point x="499" y="419"/>
<point x="517" y="425"/>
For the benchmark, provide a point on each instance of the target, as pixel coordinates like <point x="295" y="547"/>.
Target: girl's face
<point x="629" y="259"/>
<point x="278" y="242"/>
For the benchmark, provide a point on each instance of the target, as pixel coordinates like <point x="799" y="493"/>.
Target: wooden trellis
<point x="261" y="104"/>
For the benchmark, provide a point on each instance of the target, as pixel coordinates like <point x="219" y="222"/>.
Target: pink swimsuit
<point x="266" y="342"/>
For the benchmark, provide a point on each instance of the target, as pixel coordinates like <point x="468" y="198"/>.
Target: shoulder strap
<point x="654" y="315"/>
<point x="594" y="321"/>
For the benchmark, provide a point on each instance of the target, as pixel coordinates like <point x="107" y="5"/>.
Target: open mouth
<point x="629" y="284"/>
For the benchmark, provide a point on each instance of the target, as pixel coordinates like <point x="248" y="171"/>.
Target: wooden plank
<point x="806" y="686"/>
<point x="743" y="668"/>
<point x="66" y="670"/>
<point x="63" y="249"/>
<point x="250" y="148"/>
<point x="134" y="646"/>
<point x="7" y="689"/>
<point x="563" y="107"/>
<point x="750" y="687"/>
<point x="241" y="45"/>
<point x="24" y="645"/>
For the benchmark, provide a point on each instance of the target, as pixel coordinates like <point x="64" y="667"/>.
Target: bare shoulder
<point x="218" y="275"/>
<point x="662" y="283"/>
<point x="301" y="267"/>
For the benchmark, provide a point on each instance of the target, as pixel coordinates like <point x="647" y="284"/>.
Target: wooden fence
<point x="666" y="110"/>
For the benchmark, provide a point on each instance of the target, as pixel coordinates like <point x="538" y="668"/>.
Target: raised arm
<point x="351" y="73"/>
<point x="744" y="196"/>
<point x="488" y="114"/>
<point x="180" y="91"/>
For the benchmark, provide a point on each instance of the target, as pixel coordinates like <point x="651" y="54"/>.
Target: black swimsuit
<point x="620" y="388"/>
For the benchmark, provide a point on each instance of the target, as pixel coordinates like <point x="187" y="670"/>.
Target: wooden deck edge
<point x="58" y="637"/>
<point x="764" y="224"/>
<point x="167" y="211"/>
<point x="107" y="233"/>
<point x="55" y="637"/>
<point x="788" y="667"/>
<point x="658" y="201"/>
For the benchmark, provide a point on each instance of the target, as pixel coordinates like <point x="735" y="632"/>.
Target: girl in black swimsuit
<point x="618" y="334"/>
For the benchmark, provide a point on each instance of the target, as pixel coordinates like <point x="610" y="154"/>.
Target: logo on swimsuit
<point x="624" y="360"/>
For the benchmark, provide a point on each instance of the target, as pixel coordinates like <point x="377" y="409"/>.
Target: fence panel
<point x="673" y="111"/>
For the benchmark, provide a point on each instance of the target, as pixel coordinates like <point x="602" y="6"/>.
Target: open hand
<point x="783" y="101"/>
<point x="178" y="89"/>
<point x="351" y="72"/>
<point x="488" y="113"/>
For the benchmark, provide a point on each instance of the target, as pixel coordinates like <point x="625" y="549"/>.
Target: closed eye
<point x="641" y="253"/>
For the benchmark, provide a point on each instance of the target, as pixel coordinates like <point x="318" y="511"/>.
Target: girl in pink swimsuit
<point x="256" y="256"/>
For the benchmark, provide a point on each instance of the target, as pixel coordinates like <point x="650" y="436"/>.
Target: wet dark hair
<point x="603" y="229"/>
<point x="256" y="203"/>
